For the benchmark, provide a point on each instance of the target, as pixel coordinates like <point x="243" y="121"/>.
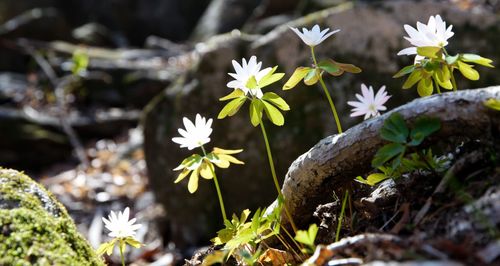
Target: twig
<point x="59" y="85"/>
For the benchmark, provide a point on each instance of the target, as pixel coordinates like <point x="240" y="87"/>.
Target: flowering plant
<point x="196" y="135"/>
<point x="311" y="75"/>
<point x="369" y="104"/>
<point x="122" y="230"/>
<point x="434" y="66"/>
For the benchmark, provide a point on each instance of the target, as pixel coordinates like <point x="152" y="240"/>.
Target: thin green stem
<point x="328" y="96"/>
<point x="341" y="217"/>
<point x="216" y="182"/>
<point x="437" y="86"/>
<point x="273" y="172"/>
<point x="121" y="255"/>
<point x="453" y="82"/>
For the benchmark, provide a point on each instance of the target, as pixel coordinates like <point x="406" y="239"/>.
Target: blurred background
<point x="92" y="91"/>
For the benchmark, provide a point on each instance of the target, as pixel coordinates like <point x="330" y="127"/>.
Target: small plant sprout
<point x="248" y="84"/>
<point x="311" y="75"/>
<point x="307" y="238"/>
<point x="370" y="104"/>
<point x="493" y="104"/>
<point x="434" y="67"/>
<point x="122" y="230"/>
<point x="194" y="136"/>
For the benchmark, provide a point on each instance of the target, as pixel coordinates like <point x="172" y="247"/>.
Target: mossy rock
<point x="35" y="228"/>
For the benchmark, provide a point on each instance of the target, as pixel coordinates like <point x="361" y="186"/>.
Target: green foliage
<point x="197" y="165"/>
<point x="493" y="104"/>
<point x="435" y="70"/>
<point x="80" y="62"/>
<point x="108" y="247"/>
<point x="307" y="238"/>
<point x="392" y="159"/>
<point x="241" y="237"/>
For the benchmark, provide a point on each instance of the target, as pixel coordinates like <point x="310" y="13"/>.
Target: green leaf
<point x="231" y="108"/>
<point x="235" y="94"/>
<point x="276" y="100"/>
<point x="493" y="104"/>
<point x="404" y="71"/>
<point x="296" y="77"/>
<point x="450" y="60"/>
<point x="312" y="77"/>
<point x="395" y="129"/>
<point x="348" y="67"/>
<point x="468" y="71"/>
<point x="270" y="78"/>
<point x="414" y="77"/>
<point x="372" y="179"/>
<point x="386" y="153"/>
<point x="133" y="242"/>
<point x="256" y="107"/>
<point x="307" y="237"/>
<point x="425" y="87"/>
<point x="443" y="78"/>
<point x="422" y="128"/>
<point x="274" y="114"/>
<point x="329" y="66"/>
<point x="430" y="52"/>
<point x="477" y="59"/>
<point x="251" y="83"/>
<point x="80" y="62"/>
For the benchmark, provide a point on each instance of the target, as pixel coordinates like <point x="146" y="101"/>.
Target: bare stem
<point x="275" y="178"/>
<point x="341" y="217"/>
<point x="216" y="182"/>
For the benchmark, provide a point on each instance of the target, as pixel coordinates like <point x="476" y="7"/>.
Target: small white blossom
<point x="119" y="225"/>
<point x="243" y="74"/>
<point x="433" y="34"/>
<point x="195" y="135"/>
<point x="369" y="104"/>
<point x="314" y="36"/>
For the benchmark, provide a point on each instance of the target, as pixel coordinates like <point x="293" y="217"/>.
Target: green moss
<point x="35" y="228"/>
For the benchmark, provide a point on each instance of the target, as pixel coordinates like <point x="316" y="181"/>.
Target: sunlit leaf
<point x="296" y="77"/>
<point x="206" y="170"/>
<point x="182" y="175"/>
<point x="312" y="77"/>
<point x="251" y="83"/>
<point x="477" y="59"/>
<point x="224" y="151"/>
<point x="430" y="51"/>
<point x="276" y="100"/>
<point x="425" y="87"/>
<point x="493" y="104"/>
<point x="255" y="111"/>
<point x="235" y="94"/>
<point x="348" y="67"/>
<point x="193" y="181"/>
<point x="450" y="60"/>
<point x="230" y="159"/>
<point x="307" y="237"/>
<point x="468" y="71"/>
<point x="414" y="77"/>
<point x="404" y="71"/>
<point x="270" y="78"/>
<point x="274" y="114"/>
<point x="231" y="108"/>
<point x="372" y="179"/>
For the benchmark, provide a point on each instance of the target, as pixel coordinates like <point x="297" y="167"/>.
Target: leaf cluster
<point x="270" y="103"/>
<point x="311" y="75"/>
<point x="392" y="159"/>
<point x="436" y="69"/>
<point x="307" y="237"/>
<point x="197" y="165"/>
<point x="108" y="247"/>
<point x="241" y="236"/>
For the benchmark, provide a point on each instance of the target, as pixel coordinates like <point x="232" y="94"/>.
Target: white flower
<point x="119" y="225"/>
<point x="369" y="105"/>
<point x="433" y="34"/>
<point x="243" y="74"/>
<point x="314" y="36"/>
<point x="195" y="135"/>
